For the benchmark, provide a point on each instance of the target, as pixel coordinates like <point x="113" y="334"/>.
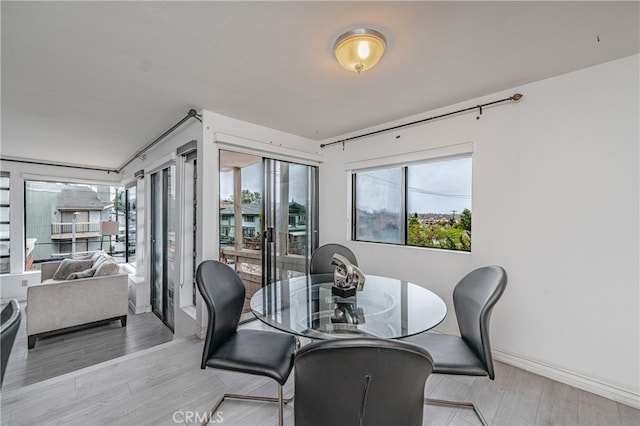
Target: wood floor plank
<point x="487" y="395"/>
<point x="62" y="353"/>
<point x="520" y="402"/>
<point x="35" y="408"/>
<point x="146" y="406"/>
<point x="236" y="412"/>
<point x="558" y="404"/>
<point x="84" y="407"/>
<point x="455" y="388"/>
<point x="596" y="410"/>
<point x="628" y="416"/>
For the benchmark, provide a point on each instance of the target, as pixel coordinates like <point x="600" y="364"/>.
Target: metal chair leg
<point x="280" y="400"/>
<point x="280" y="407"/>
<point x="458" y="404"/>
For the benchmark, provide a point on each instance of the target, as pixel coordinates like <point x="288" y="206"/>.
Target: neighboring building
<point x="50" y="211"/>
<point x="251" y="223"/>
<point x="297" y="215"/>
<point x="435" y="218"/>
<point x="297" y="228"/>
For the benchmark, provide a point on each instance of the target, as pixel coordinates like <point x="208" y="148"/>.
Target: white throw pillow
<point x="68" y="266"/>
<point x="87" y="273"/>
<point x="98" y="254"/>
<point x="107" y="268"/>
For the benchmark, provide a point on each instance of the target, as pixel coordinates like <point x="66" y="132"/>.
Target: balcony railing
<point x="64" y="230"/>
<point x="248" y="264"/>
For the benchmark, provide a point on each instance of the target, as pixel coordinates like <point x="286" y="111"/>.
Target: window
<point x="424" y="205"/>
<point x="5" y="233"/>
<point x="379" y="206"/>
<point x="130" y="219"/>
<point x="64" y="219"/>
<point x="248" y="231"/>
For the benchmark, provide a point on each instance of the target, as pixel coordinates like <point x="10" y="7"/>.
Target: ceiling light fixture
<point x="360" y="49"/>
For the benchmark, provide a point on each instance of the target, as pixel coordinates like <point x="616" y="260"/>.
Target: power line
<point x="439" y="194"/>
<point x="393" y="184"/>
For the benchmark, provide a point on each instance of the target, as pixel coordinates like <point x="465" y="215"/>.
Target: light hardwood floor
<point x="63" y="353"/>
<point x="164" y="385"/>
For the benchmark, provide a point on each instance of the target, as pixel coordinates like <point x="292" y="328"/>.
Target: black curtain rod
<point x="515" y="97"/>
<point x="191" y="114"/>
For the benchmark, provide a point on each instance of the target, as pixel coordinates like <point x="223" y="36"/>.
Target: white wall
<point x="555" y="201"/>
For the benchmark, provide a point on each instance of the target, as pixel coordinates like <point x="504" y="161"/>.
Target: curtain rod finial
<point x="517" y="96"/>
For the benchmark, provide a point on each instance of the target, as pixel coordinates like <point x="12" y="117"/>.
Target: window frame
<point x="404" y="161"/>
<point x="89" y="240"/>
<point x="6" y="175"/>
<point x="128" y="219"/>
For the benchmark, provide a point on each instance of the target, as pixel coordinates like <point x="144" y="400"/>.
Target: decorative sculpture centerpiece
<point x="347" y="313"/>
<point x="347" y="278"/>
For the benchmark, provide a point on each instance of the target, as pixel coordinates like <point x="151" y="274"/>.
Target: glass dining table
<point x="385" y="308"/>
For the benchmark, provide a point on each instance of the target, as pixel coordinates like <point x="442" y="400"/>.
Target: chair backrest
<point x="473" y="299"/>
<point x="360" y="381"/>
<point x="223" y="293"/>
<point x="10" y="321"/>
<point x="321" y="258"/>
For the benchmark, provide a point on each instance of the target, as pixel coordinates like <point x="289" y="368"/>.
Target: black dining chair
<point x="256" y="352"/>
<point x="360" y="381"/>
<point x="9" y="323"/>
<point x="321" y="258"/>
<point x="469" y="354"/>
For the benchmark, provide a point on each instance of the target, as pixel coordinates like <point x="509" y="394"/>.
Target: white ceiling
<point x="91" y="83"/>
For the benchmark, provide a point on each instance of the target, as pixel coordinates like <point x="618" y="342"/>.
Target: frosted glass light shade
<point x="359" y="50"/>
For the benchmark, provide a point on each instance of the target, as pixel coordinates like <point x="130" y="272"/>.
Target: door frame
<point x="164" y="177"/>
<point x="225" y="142"/>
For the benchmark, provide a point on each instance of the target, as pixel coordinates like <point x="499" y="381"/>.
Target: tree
<point x="249" y="197"/>
<point x="118" y="201"/>
<point x="440" y="235"/>
<point x="465" y="219"/>
<point x="417" y="235"/>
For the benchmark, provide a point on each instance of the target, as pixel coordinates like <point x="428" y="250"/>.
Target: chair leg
<point x="458" y="404"/>
<point x="280" y="400"/>
<point x="280" y="407"/>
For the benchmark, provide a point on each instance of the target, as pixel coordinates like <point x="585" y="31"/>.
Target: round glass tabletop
<point x="385" y="308"/>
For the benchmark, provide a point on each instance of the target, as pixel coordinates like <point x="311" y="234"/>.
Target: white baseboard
<point x="200" y="332"/>
<point x="139" y="309"/>
<point x="618" y="394"/>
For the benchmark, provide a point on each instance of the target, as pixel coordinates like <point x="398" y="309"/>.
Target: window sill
<point x="402" y="246"/>
<point x="189" y="310"/>
<point x="129" y="267"/>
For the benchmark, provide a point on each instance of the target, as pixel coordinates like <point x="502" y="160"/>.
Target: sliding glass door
<point x="130" y="224"/>
<point x="268" y="217"/>
<point x="290" y="218"/>
<point x="163" y="244"/>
